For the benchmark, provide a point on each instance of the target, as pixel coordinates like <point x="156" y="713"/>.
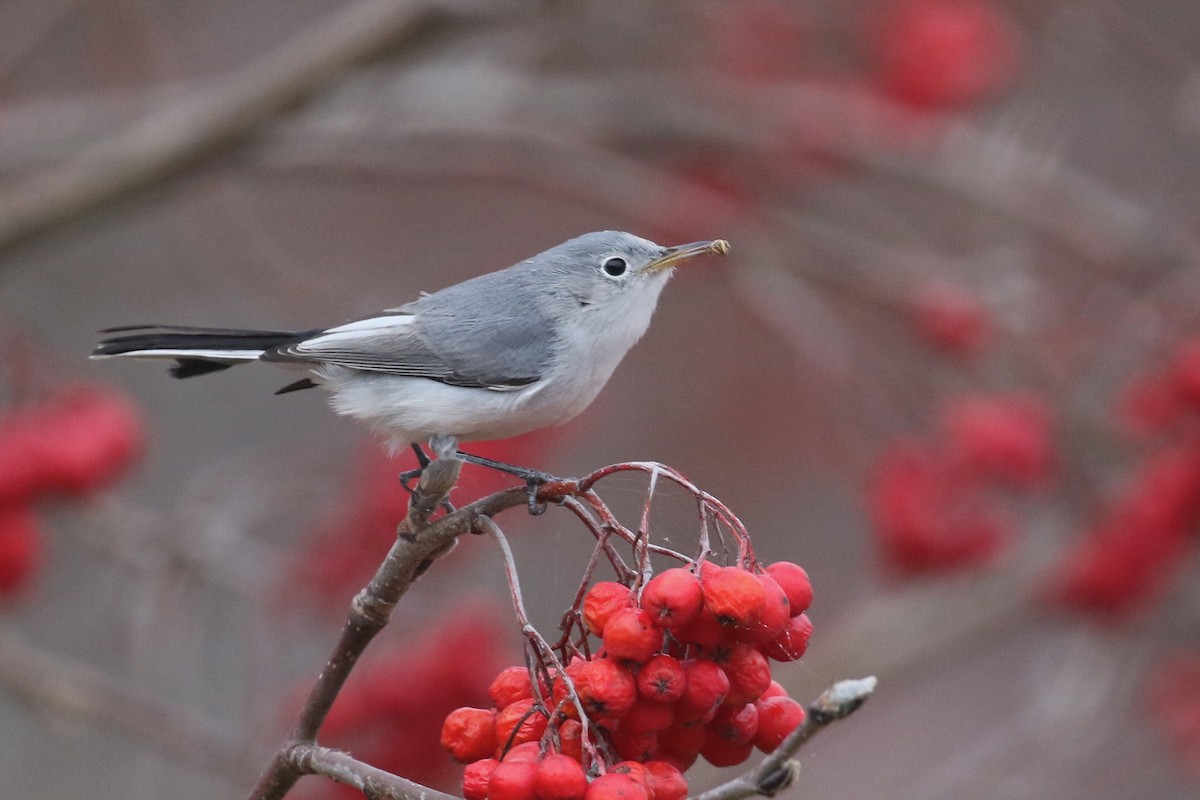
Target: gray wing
<point x="466" y="335"/>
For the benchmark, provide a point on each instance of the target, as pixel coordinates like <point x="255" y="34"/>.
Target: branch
<point x="172" y="138"/>
<point x="776" y="772"/>
<point x="375" y="783"/>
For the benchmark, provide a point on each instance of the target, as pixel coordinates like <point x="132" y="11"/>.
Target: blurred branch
<point x="166" y="141"/>
<point x="72" y="688"/>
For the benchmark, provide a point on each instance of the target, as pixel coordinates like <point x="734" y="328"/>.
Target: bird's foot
<point x="533" y="478"/>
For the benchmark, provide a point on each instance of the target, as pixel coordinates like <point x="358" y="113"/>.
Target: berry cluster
<point x="1144" y="531"/>
<point x="684" y="671"/>
<point x="68" y="445"/>
<point x="931" y="501"/>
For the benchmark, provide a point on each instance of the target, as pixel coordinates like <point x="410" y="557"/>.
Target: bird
<point x="495" y="356"/>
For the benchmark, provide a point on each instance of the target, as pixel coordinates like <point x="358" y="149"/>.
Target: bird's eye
<point x="615" y="266"/>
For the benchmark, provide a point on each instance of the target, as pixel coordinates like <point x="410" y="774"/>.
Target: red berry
<point x="662" y="678"/>
<point x="510" y="685"/>
<point x="734" y="724"/>
<point x="20" y="548"/>
<point x="771" y="619"/>
<point x="634" y="745"/>
<point x="682" y="740"/>
<point x="519" y="722"/>
<point x="560" y="777"/>
<point x="777" y="718"/>
<point x="680" y="762"/>
<point x="602" y="601"/>
<point x="749" y="674"/>
<point x="704" y="629"/>
<point x="570" y="739"/>
<point x="946" y="52"/>
<point x="476" y="777"/>
<point x="648" y="715"/>
<point x="673" y="597"/>
<point x="631" y="634"/>
<point x="733" y="595"/>
<point x="525" y="751"/>
<point x="1185" y="369"/>
<point x="615" y="786"/>
<point x="795" y="583"/>
<point x="774" y="690"/>
<point x="606" y="689"/>
<point x="1002" y="436"/>
<point x="666" y="781"/>
<point x="634" y="769"/>
<point x="951" y="318"/>
<point x="723" y="754"/>
<point x="513" y="780"/>
<point x="791" y="644"/>
<point x="707" y="686"/>
<point x="469" y="734"/>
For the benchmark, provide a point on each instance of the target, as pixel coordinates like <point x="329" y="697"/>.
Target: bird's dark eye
<point x="615" y="266"/>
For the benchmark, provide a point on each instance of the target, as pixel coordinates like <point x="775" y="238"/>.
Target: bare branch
<point x="167" y="140"/>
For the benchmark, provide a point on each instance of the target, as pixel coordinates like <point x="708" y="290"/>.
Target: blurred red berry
<point x="792" y="643"/>
<point x="525" y="751"/>
<point x="648" y="715"/>
<point x="778" y="716"/>
<point x="513" y="780"/>
<point x="1173" y="700"/>
<point x="951" y="318"/>
<point x="634" y="745"/>
<point x="616" y="786"/>
<point x="1184" y="370"/>
<point x="795" y="583"/>
<point x="476" y="777"/>
<point x="748" y="672"/>
<point x="511" y="685"/>
<point x="946" y="53"/>
<point x="602" y="601"/>
<point x="774" y="690"/>
<point x="734" y="724"/>
<point x="683" y="739"/>
<point x="771" y="619"/>
<point x="631" y="634"/>
<point x="720" y="753"/>
<point x="707" y="687"/>
<point x="1150" y="403"/>
<point x="560" y="777"/>
<point x="666" y="781"/>
<point x="570" y="738"/>
<point x="1006" y="437"/>
<point x="662" y="678"/>
<point x="518" y="723"/>
<point x="704" y="630"/>
<point x="733" y="595"/>
<point x="605" y="688"/>
<point x="20" y="549"/>
<point x="469" y="734"/>
<point x="673" y="597"/>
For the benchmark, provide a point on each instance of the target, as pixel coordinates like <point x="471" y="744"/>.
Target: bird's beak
<point x="674" y="255"/>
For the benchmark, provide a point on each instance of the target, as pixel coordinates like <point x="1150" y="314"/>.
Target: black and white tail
<point x="196" y="351"/>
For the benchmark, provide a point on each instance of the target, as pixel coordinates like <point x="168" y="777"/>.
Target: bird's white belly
<point x="414" y="409"/>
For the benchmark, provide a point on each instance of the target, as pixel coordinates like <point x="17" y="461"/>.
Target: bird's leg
<point x="408" y="475"/>
<point x="533" y="478"/>
<point x="423" y="460"/>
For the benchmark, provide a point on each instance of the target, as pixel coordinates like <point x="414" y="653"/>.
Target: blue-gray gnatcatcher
<point x="495" y="356"/>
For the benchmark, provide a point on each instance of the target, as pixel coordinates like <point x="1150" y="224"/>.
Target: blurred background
<point x="950" y="366"/>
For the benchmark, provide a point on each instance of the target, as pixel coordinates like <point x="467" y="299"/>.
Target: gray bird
<point x="495" y="356"/>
